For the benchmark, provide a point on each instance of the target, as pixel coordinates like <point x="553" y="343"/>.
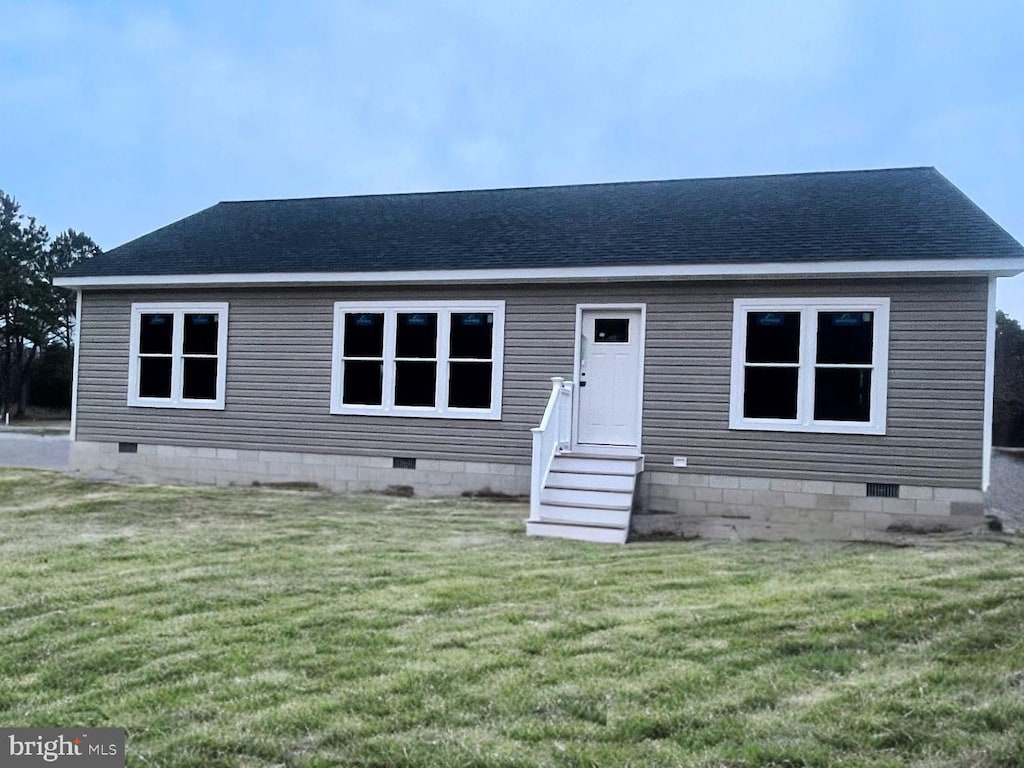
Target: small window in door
<point x="611" y="330"/>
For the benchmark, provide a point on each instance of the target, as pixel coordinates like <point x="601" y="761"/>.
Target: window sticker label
<point x="849" y="318"/>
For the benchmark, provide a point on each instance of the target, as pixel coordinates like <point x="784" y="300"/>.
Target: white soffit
<point x="907" y="268"/>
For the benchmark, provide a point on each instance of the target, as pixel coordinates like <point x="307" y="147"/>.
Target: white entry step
<point x="597" y="464"/>
<point x="577" y="532"/>
<point x="582" y="515"/>
<point x="580" y="481"/>
<point x="588" y="497"/>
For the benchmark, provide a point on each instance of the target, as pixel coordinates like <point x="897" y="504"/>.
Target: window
<point x="178" y="355"/>
<point x="611" y="330"/>
<point x="433" y="359"/>
<point x="810" y="365"/>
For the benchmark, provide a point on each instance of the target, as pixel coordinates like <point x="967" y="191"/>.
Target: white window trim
<point x="179" y="309"/>
<point x="444" y="310"/>
<point x="807" y="308"/>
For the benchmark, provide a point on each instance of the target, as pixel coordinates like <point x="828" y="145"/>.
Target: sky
<point x="120" y="117"/>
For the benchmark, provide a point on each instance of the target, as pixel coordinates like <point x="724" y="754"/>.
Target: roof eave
<point x="1001" y="267"/>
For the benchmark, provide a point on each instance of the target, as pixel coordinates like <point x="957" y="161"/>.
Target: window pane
<point x="363" y="382"/>
<point x="471" y="335"/>
<point x="469" y="385"/>
<point x="414" y="383"/>
<point x="417" y="335"/>
<point x="770" y="393"/>
<point x="201" y="334"/>
<point x="154" y="377"/>
<point x="200" y="378"/>
<point x="611" y="330"/>
<point x="773" y="337"/>
<point x="364" y="334"/>
<point x="842" y="394"/>
<point x="156" y="333"/>
<point x="845" y="337"/>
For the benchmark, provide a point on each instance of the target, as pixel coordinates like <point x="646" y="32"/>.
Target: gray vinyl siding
<point x="278" y="392"/>
<point x="279" y="377"/>
<point x="936" y="388"/>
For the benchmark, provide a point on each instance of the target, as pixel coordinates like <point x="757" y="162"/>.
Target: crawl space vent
<point x="884" y="490"/>
<point x="401" y="462"/>
<point x="127" y="447"/>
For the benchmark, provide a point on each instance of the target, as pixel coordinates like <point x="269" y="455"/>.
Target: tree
<point x="34" y="314"/>
<point x="1008" y="387"/>
<point x="68" y="248"/>
<point x="23" y="287"/>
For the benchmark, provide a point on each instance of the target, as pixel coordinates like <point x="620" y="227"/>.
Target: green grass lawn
<point x="259" y="627"/>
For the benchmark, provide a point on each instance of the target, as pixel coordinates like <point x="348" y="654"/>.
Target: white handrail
<point x="553" y="434"/>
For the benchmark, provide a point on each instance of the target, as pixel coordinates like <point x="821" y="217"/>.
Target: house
<point x="804" y="355"/>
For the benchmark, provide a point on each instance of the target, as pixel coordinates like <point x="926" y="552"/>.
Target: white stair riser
<point x="587" y="497"/>
<point x="595" y="466"/>
<point x="577" y="533"/>
<point x="622" y="483"/>
<point x="584" y="516"/>
<point x="578" y="498"/>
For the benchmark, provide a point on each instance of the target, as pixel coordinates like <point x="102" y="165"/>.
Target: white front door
<point x="610" y="377"/>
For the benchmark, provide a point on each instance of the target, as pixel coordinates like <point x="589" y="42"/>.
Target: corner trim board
<point x="990" y="366"/>
<point x="73" y="432"/>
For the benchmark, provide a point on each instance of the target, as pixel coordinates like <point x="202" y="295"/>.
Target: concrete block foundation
<point x="678" y="504"/>
<point x="694" y="505"/>
<point x="231" y="466"/>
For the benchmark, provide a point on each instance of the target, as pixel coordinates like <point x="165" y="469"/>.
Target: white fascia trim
<point x="998" y="267"/>
<point x="990" y="367"/>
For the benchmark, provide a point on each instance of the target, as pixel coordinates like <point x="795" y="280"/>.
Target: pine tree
<point x="1008" y="387"/>
<point x="34" y="314"/>
<point x="23" y="290"/>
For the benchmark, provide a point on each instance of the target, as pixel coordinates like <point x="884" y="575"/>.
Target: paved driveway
<point x="1006" y="496"/>
<point x="20" y="449"/>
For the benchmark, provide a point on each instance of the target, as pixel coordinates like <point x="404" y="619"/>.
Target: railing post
<point x="553" y="434"/>
<point x="536" y="474"/>
<point x="565" y="417"/>
<point x="545" y="439"/>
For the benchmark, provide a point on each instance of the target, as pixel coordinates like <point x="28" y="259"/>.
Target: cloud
<point x="453" y="94"/>
<point x="130" y="115"/>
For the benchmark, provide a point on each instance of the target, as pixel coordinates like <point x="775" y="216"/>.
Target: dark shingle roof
<point x="906" y="213"/>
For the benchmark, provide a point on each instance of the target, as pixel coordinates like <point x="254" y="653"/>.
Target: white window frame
<point x="444" y="311"/>
<point x="179" y="309"/>
<point x="808" y="309"/>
